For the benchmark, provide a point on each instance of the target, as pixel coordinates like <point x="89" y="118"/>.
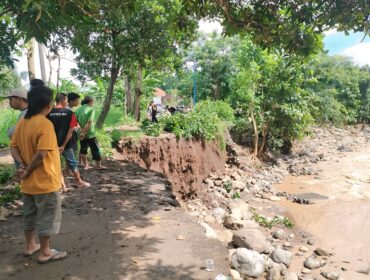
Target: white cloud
<point x="359" y="52"/>
<point x="330" y="32"/>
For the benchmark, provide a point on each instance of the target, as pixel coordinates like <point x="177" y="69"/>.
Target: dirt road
<point x="127" y="226"/>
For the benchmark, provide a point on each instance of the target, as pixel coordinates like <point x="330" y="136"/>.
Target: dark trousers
<point x="94" y="146"/>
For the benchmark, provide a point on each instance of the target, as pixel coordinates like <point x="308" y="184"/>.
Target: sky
<point x="337" y="43"/>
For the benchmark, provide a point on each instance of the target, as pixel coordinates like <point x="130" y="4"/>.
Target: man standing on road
<point x="34" y="146"/>
<point x="85" y="117"/>
<point x="64" y="121"/>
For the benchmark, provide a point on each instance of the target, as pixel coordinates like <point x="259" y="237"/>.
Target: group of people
<point x="47" y="129"/>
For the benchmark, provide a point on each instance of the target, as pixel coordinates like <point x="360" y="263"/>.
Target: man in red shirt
<point x="64" y="121"/>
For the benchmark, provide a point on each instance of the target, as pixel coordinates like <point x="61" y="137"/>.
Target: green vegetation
<point x="10" y="195"/>
<point x="270" y="223"/>
<point x="8" y="118"/>
<point x="6" y="173"/>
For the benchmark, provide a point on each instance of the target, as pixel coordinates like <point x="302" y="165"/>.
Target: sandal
<point x="55" y="256"/>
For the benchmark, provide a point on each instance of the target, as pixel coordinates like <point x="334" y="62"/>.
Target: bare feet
<point x="83" y="184"/>
<point x="30" y="251"/>
<point x="55" y="255"/>
<point x="87" y="167"/>
<point x="65" y="189"/>
<point x="99" y="166"/>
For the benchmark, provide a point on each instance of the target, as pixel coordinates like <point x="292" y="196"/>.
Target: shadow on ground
<point x="124" y="227"/>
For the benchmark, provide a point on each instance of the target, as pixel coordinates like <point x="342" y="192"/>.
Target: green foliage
<point x="228" y="186"/>
<point x="10" y="195"/>
<point x="151" y="128"/>
<point x="236" y="195"/>
<point x="9" y="80"/>
<point x="270" y="223"/>
<point x="6" y="173"/>
<point x="8" y="118"/>
<point x="221" y="108"/>
<point x="105" y="142"/>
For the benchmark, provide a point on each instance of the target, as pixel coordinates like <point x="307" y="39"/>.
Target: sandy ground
<point x="341" y="223"/>
<point x="127" y="226"/>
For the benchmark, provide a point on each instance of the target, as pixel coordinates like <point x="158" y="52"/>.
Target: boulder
<point x="251" y="239"/>
<point x="279" y="234"/>
<point x="219" y="214"/>
<point x="3" y="213"/>
<point x="248" y="262"/>
<point x="290" y="276"/>
<point x="312" y="263"/>
<point x="282" y="256"/>
<point x="274" y="273"/>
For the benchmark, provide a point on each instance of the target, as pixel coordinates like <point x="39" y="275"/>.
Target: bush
<point x="6" y="173"/>
<point x="10" y="195"/>
<point x="222" y="109"/>
<point x="151" y="128"/>
<point x="8" y="118"/>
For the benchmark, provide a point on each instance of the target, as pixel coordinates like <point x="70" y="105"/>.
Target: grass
<point x="269" y="223"/>
<point x="6" y="173"/>
<point x="8" y="118"/>
<point x="10" y="195"/>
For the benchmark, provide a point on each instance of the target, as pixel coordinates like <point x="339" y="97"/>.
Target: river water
<point x="341" y="223"/>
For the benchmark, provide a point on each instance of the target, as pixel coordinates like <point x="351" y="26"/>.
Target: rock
<point x="248" y="262"/>
<point x="219" y="214"/>
<point x="274" y="198"/>
<point x="311" y="241"/>
<point x="209" y="219"/>
<point x="231" y="222"/>
<point x="312" y="263"/>
<point x="330" y="275"/>
<point x="345" y="148"/>
<point x="321" y="252"/>
<point x="210" y="233"/>
<point x="250" y="224"/>
<point x="235" y="275"/>
<point x="279" y="234"/>
<point x="282" y="256"/>
<point x="303" y="249"/>
<point x="274" y="273"/>
<point x="217" y="182"/>
<point x="305" y="271"/>
<point x="225" y="236"/>
<point x="269" y="249"/>
<point x="3" y="213"/>
<point x="209" y="182"/>
<point x="251" y="239"/>
<point x="239" y="185"/>
<point x="291" y="236"/>
<point x="287" y="245"/>
<point x="290" y="276"/>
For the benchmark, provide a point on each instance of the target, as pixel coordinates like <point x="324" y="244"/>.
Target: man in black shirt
<point x="64" y="122"/>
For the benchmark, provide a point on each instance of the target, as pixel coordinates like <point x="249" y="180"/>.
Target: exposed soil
<point x="127" y="226"/>
<point x="186" y="163"/>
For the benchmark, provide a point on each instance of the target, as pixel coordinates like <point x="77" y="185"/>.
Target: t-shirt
<point x="85" y="114"/>
<point x="11" y="129"/>
<point x="63" y="119"/>
<point x="37" y="134"/>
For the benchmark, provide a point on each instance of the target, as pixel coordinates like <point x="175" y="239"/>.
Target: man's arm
<point x="66" y="140"/>
<point x="85" y="129"/>
<point x="35" y="162"/>
<point x="17" y="156"/>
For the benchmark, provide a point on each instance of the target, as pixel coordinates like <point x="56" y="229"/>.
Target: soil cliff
<point x="186" y="163"/>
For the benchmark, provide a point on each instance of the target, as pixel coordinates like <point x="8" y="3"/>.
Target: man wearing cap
<point x="17" y="101"/>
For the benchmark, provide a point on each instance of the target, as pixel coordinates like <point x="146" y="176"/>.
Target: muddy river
<point x="341" y="223"/>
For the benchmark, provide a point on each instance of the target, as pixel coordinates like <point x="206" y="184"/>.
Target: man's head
<point x="61" y="100"/>
<point x="40" y="101"/>
<point x="73" y="99"/>
<point x="18" y="99"/>
<point x="88" y="100"/>
<point x="36" y="83"/>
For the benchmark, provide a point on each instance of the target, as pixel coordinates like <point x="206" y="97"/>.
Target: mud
<point x="186" y="163"/>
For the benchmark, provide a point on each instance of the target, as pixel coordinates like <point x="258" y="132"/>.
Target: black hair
<point x="60" y="97"/>
<point x="72" y="96"/>
<point x="87" y="100"/>
<point x="36" y="83"/>
<point x="38" y="99"/>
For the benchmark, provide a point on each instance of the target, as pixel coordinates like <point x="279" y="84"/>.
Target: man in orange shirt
<point x="34" y="146"/>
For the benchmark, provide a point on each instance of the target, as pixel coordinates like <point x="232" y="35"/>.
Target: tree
<point x="288" y="24"/>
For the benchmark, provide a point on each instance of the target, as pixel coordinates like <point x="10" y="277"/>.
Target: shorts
<point x="42" y="212"/>
<point x="70" y="158"/>
<point x="94" y="146"/>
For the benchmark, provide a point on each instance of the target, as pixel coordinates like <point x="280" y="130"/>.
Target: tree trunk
<point x="138" y="91"/>
<point x="264" y="139"/>
<point x="42" y="62"/>
<point x="128" y="95"/>
<point x="58" y="72"/>
<point x="49" y="58"/>
<point x="31" y="60"/>
<point x="255" y="141"/>
<point x="108" y="98"/>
